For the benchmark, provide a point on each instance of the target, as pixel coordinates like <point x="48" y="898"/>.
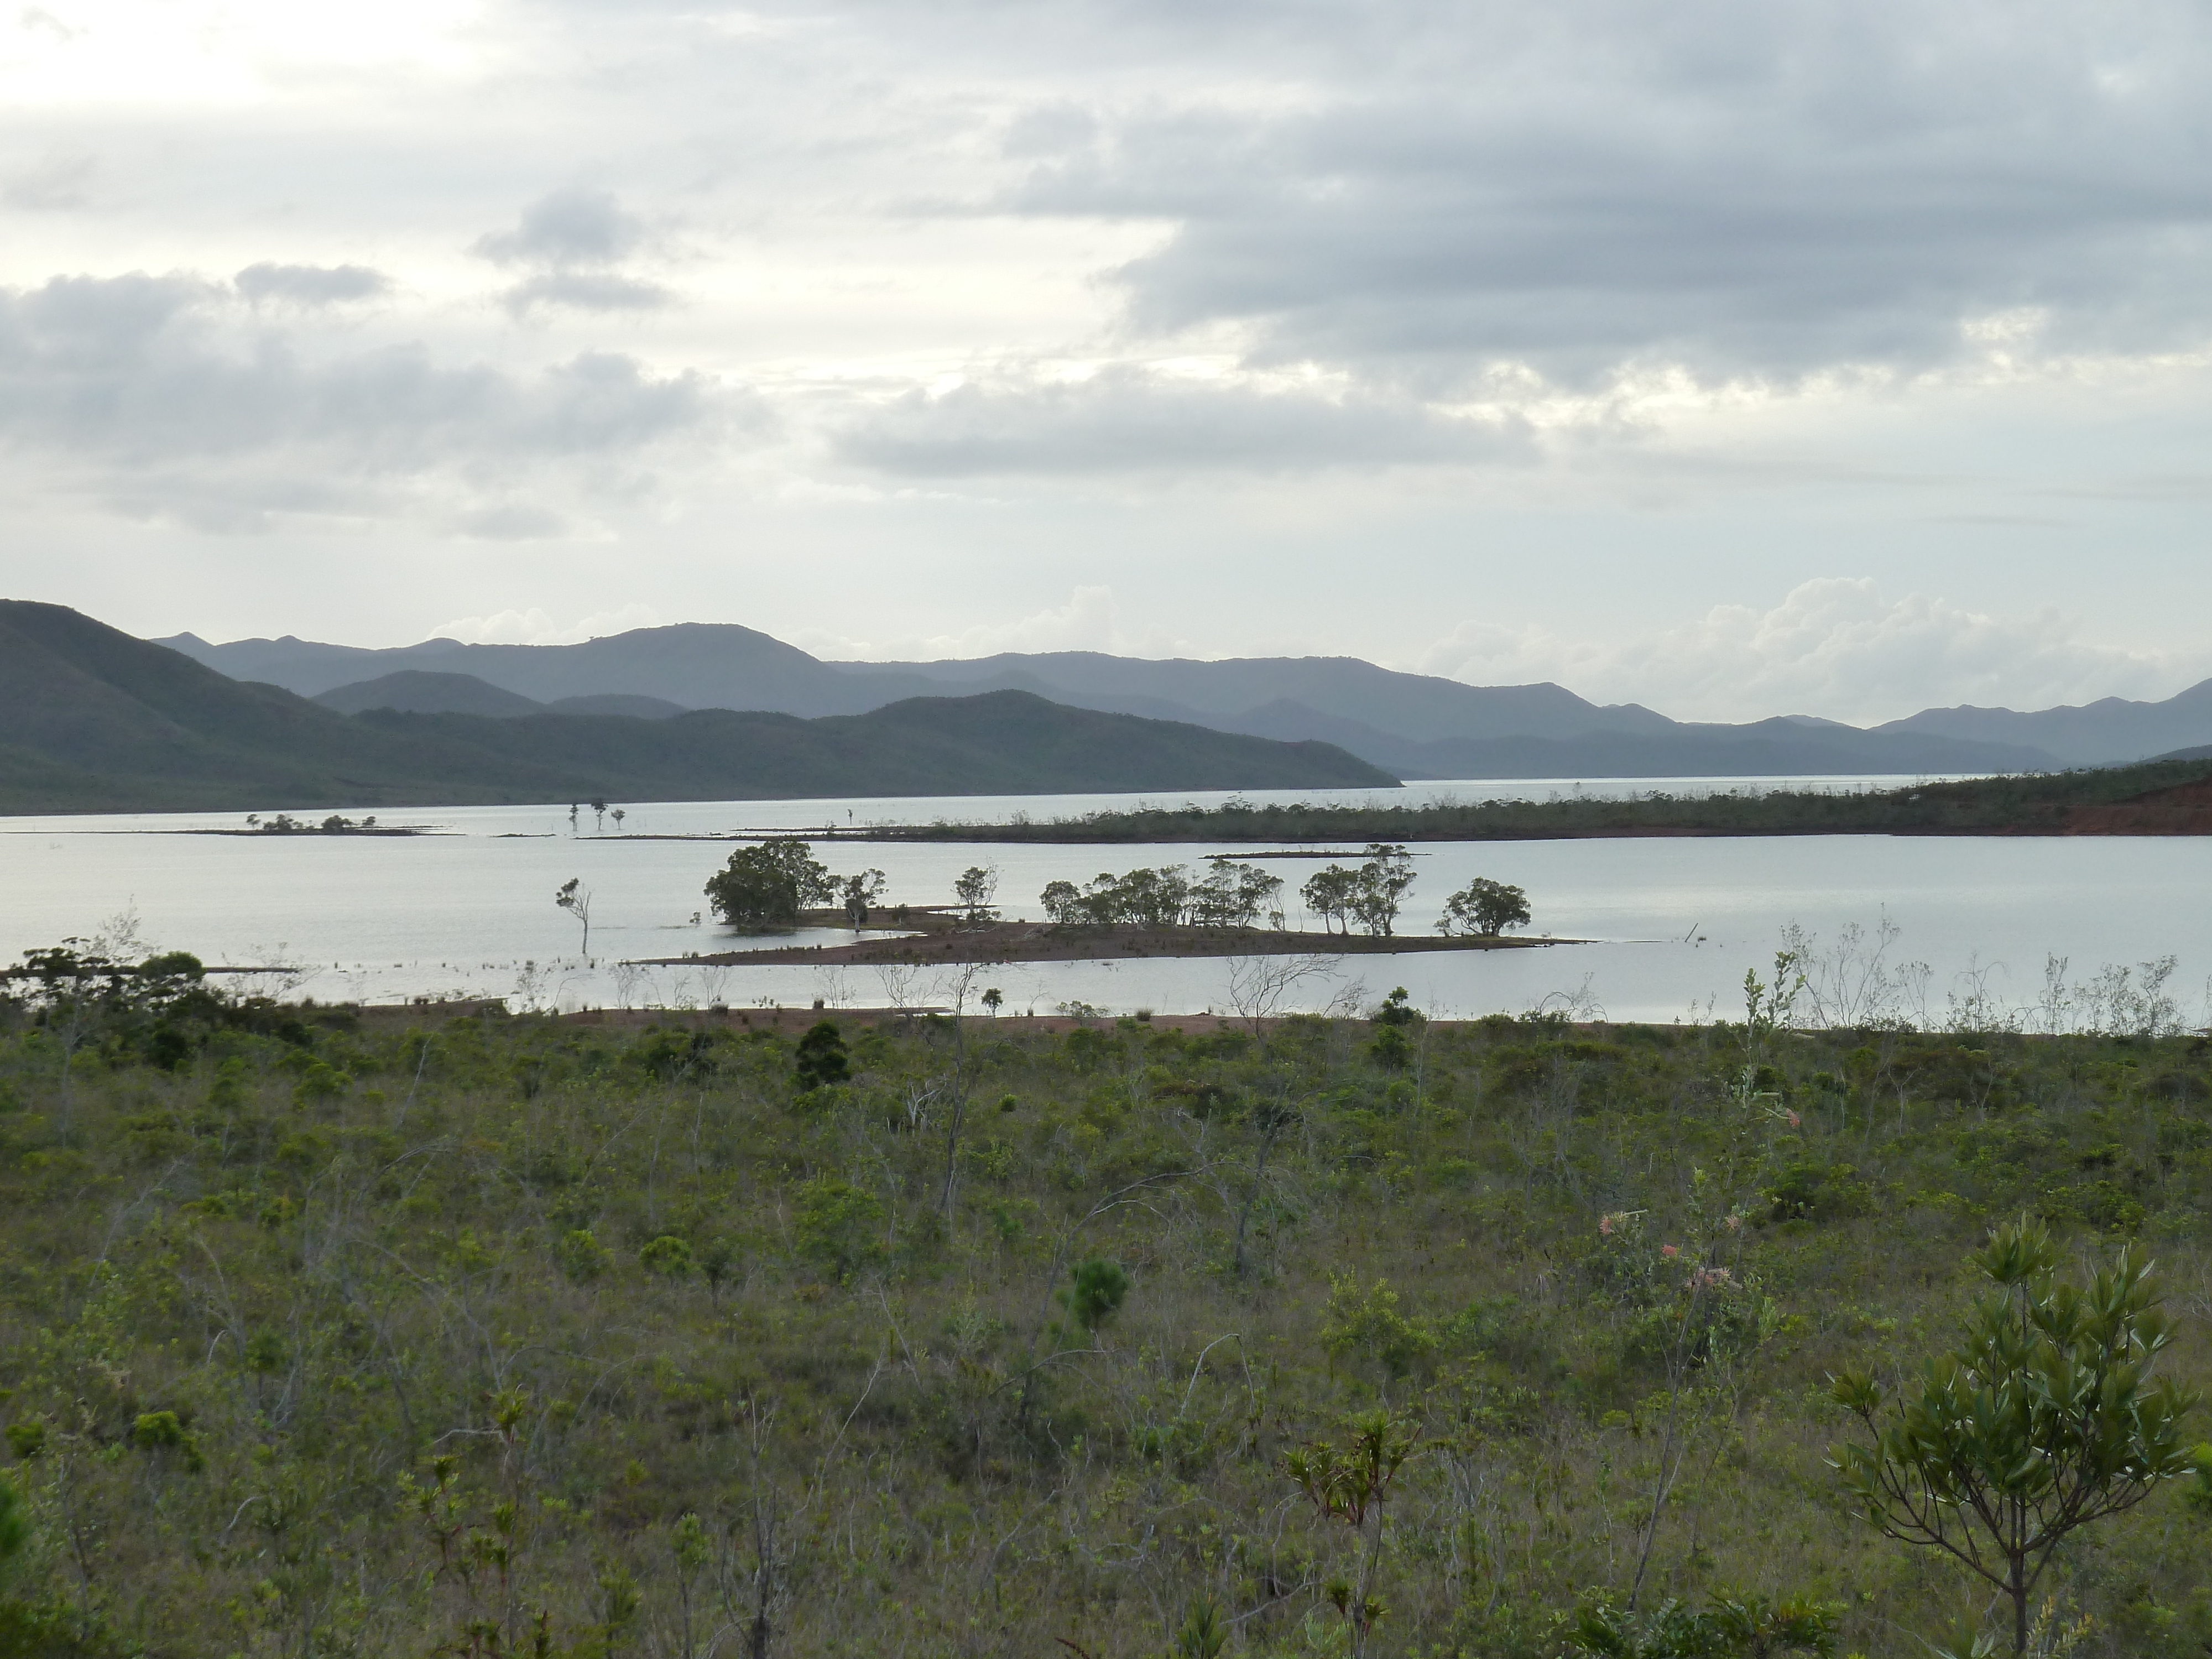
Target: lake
<point x="1675" y="923"/>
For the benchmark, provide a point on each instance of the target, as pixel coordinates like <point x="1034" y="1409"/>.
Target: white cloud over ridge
<point x="1834" y="647"/>
<point x="534" y="627"/>
<point x="1091" y="620"/>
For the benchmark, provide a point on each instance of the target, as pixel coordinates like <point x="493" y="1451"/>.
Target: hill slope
<point x="1411" y="725"/>
<point x="95" y="720"/>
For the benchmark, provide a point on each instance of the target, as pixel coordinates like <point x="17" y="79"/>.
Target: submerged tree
<point x="2042" y="1420"/>
<point x="768" y="885"/>
<point x="576" y="899"/>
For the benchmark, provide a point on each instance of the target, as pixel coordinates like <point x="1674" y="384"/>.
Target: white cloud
<point x="1833" y="647"/>
<point x="534" y="627"/>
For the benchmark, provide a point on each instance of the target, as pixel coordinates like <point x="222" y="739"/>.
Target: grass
<point x="478" y="1333"/>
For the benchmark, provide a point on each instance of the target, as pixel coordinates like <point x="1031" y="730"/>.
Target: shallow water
<point x="1676" y="922"/>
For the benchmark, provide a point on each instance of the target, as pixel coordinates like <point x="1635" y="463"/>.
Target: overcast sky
<point x="1734" y="357"/>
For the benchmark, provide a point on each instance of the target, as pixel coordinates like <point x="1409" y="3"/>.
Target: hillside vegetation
<point x="327" y="1333"/>
<point x="2034" y="804"/>
<point x="92" y="720"/>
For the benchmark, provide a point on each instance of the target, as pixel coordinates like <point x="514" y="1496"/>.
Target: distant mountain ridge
<point x="2109" y="731"/>
<point x="422" y="691"/>
<point x="92" y="719"/>
<point x="1410" y="725"/>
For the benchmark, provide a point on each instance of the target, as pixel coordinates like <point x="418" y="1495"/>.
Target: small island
<point x="1231" y="911"/>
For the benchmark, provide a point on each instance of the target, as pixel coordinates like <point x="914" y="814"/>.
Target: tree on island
<point x="862" y="893"/>
<point x="1484" y="908"/>
<point x="1370" y="894"/>
<point x="768" y="885"/>
<point x="1328" y="893"/>
<point x="977" y="885"/>
<point x="1383" y="881"/>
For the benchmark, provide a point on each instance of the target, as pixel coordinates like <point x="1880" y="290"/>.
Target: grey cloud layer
<point x="148" y="377"/>
<point x="311" y="285"/>
<point x="1123" y="420"/>
<point x="1742" y="188"/>
<point x="573" y="239"/>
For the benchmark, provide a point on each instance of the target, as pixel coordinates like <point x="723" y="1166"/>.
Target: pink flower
<point x="1605" y="1225"/>
<point x="1793" y="1119"/>
<point x="1669" y="1251"/>
<point x="1734" y="1222"/>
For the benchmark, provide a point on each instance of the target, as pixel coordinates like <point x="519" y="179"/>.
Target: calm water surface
<point x="469" y="911"/>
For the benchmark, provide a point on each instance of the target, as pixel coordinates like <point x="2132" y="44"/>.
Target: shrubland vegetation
<point x="323" y="1333"/>
<point x="2027" y="804"/>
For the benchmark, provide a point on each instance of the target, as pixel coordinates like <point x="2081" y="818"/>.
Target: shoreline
<point x="1037" y="941"/>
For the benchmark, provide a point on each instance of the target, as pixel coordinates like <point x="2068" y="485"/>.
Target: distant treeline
<point x="2025" y="804"/>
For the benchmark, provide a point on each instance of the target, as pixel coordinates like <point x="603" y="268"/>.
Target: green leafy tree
<point x="1099" y="1288"/>
<point x="582" y="1257"/>
<point x="1380" y="887"/>
<point x="668" y="1257"/>
<point x="977" y="885"/>
<point x="820" y="1058"/>
<point x="2043" y="1419"/>
<point x="1063" y="903"/>
<point x="1484" y="909"/>
<point x="1235" y="895"/>
<point x="767" y="884"/>
<point x="836" y="1224"/>
<point x="1330" y="894"/>
<point x="14" y="1530"/>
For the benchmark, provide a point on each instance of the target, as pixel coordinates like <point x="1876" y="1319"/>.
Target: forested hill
<point x="92" y="719"/>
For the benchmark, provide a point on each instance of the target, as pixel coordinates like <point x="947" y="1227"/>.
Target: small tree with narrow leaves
<point x="2043" y="1419"/>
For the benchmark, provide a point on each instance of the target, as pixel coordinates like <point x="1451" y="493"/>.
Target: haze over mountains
<point x="1410" y="725"/>
<point x="92" y="719"/>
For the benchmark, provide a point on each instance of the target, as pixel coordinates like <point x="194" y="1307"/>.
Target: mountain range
<point x="92" y="719"/>
<point x="1410" y="725"/>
